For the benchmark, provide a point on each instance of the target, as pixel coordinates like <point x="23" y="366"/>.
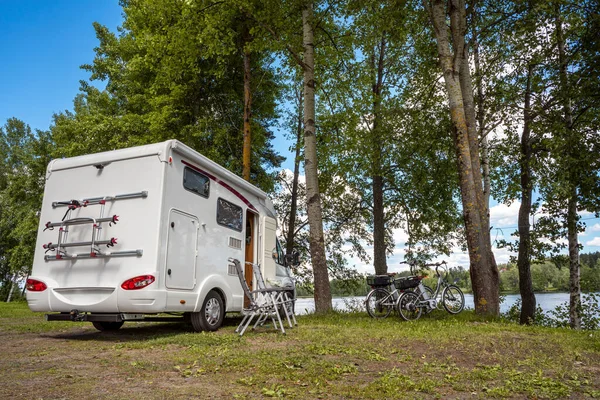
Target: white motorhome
<point x="128" y="234"/>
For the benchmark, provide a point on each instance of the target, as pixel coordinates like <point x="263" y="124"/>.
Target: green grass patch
<point x="339" y="356"/>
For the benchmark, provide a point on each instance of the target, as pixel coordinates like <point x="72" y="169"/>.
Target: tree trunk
<point x="483" y="137"/>
<point x="289" y="244"/>
<point x="313" y="201"/>
<point x="572" y="217"/>
<point x="574" y="273"/>
<point x="13" y="283"/>
<point x="489" y="270"/>
<point x="246" y="155"/>
<point x="524" y="258"/>
<point x="483" y="270"/>
<point x="379" y="247"/>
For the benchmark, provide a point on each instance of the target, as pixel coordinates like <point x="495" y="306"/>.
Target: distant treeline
<point x="550" y="276"/>
<point x="358" y="286"/>
<point x="546" y="276"/>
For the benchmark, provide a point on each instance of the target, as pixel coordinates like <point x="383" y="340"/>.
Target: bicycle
<point x="381" y="300"/>
<point x="411" y="305"/>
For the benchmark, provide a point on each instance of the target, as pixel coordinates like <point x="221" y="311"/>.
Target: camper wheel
<point x="107" y="326"/>
<point x="210" y="317"/>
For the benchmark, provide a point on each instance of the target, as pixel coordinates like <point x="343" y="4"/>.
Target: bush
<point x="559" y="317"/>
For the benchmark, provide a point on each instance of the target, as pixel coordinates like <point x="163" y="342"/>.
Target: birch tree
<point x="453" y="53"/>
<point x="313" y="197"/>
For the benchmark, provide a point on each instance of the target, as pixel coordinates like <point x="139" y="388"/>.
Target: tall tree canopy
<point x="25" y="155"/>
<point x="175" y="70"/>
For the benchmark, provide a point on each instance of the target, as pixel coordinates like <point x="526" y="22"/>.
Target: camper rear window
<point x="229" y="215"/>
<point x="196" y="182"/>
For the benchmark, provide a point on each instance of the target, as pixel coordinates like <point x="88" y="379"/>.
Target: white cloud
<point x="562" y="241"/>
<point x="586" y="214"/>
<point x="594" y="228"/>
<point x="502" y="215"/>
<point x="594" y="242"/>
<point x="289" y="174"/>
<point x="400" y="236"/>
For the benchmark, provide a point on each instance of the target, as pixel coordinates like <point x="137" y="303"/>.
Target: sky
<point x="43" y="44"/>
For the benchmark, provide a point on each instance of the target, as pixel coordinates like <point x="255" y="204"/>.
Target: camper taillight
<point x="139" y="282"/>
<point x="33" y="285"/>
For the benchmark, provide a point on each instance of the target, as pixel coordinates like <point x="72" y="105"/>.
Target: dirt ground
<point x="319" y="359"/>
<point x="82" y="363"/>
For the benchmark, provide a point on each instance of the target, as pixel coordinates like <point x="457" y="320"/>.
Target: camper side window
<point x="196" y="182"/>
<point x="229" y="215"/>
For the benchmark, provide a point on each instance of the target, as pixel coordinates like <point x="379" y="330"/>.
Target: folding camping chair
<point x="263" y="304"/>
<point x="282" y="295"/>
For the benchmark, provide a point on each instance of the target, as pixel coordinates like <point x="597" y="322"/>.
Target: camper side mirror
<point x="292" y="259"/>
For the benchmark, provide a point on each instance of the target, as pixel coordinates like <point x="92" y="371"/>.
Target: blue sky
<point x="42" y="45"/>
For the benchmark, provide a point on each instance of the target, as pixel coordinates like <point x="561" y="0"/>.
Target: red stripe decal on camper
<point x="220" y="182"/>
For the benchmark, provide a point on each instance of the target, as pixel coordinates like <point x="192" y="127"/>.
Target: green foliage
<point x="591" y="260"/>
<point x="548" y="276"/>
<point x="590" y="279"/>
<point x="564" y="140"/>
<point x="22" y="178"/>
<point x="174" y="70"/>
<point x="369" y="129"/>
<point x="589" y="310"/>
<point x="340" y="287"/>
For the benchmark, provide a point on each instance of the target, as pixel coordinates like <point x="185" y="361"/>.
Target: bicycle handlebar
<point x="415" y="263"/>
<point x="438" y="266"/>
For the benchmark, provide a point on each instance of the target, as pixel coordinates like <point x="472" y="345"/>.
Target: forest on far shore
<point x="546" y="277"/>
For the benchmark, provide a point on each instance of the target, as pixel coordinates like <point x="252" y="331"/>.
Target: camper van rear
<point x="149" y="230"/>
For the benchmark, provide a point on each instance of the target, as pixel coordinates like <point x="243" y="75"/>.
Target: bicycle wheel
<point x="379" y="303"/>
<point x="408" y="306"/>
<point x="453" y="299"/>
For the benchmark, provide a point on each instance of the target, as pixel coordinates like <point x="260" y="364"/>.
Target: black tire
<point x="211" y="315"/>
<point x="453" y="299"/>
<point x="107" y="326"/>
<point x="375" y="307"/>
<point x="408" y="306"/>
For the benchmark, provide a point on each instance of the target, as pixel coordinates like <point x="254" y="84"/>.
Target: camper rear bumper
<point x="98" y="300"/>
<point x="76" y="316"/>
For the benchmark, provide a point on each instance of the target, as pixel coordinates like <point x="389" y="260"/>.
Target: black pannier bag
<point x="406" y="283"/>
<point x="378" y="280"/>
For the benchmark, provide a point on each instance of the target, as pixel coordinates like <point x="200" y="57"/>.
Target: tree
<point x="313" y="199"/>
<point x="26" y="155"/>
<point x="176" y="70"/>
<point x="523" y="90"/>
<point x="246" y="156"/>
<point x="570" y="175"/>
<point x="377" y="140"/>
<point x="454" y="62"/>
<point x="291" y="220"/>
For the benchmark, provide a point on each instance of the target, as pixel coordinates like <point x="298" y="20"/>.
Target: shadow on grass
<point x="140" y="331"/>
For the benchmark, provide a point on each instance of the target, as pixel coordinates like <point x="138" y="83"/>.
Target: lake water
<point x="547" y="301"/>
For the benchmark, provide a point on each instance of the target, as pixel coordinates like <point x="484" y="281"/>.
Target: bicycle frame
<point x="432" y="303"/>
<point x="390" y="297"/>
<point x="410" y="306"/>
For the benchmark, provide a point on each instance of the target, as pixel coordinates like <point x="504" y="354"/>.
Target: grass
<point x="338" y="356"/>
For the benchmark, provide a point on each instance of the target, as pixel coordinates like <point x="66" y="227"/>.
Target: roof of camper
<point x="163" y="151"/>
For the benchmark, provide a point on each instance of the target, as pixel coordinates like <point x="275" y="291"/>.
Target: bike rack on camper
<point x="63" y="231"/>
